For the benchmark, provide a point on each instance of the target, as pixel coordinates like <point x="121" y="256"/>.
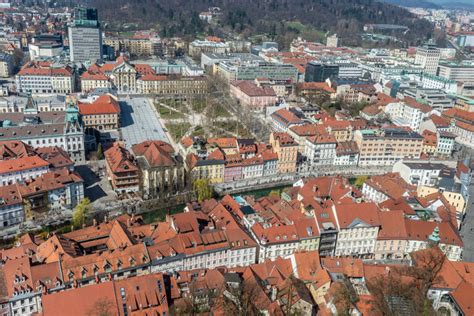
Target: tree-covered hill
<point x="180" y="17"/>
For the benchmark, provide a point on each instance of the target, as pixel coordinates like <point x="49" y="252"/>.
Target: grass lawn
<point x="198" y="131"/>
<point x="168" y="114"/>
<point x="177" y="131"/>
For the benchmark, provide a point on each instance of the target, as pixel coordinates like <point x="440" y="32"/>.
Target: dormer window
<point x="71" y="275"/>
<point x="119" y="264"/>
<point x="107" y="267"/>
<point x="132" y="261"/>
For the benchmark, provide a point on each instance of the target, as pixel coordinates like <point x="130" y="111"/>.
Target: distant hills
<point x="180" y="17"/>
<point x="414" y="4"/>
<point x="432" y="4"/>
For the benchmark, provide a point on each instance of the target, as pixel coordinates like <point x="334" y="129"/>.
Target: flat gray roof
<point x="139" y="122"/>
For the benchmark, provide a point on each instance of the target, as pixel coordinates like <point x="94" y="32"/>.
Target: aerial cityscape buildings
<point x="256" y="158"/>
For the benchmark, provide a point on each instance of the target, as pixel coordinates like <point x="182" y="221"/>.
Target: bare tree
<point x="242" y="299"/>
<point x="405" y="289"/>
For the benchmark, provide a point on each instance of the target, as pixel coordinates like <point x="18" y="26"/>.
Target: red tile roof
<point x="38" y="69"/>
<point x="21" y="164"/>
<point x="157" y="153"/>
<point x="105" y="104"/>
<point x="348" y="213"/>
<point x="323" y="86"/>
<point x="251" y="89"/>
<point x="91" y="75"/>
<point x="417" y="105"/>
<point x="390" y="184"/>
<point x="119" y="159"/>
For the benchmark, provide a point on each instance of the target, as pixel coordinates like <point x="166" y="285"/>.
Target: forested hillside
<point x="180" y="17"/>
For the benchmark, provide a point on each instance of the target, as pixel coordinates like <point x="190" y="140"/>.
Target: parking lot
<point x="139" y="122"/>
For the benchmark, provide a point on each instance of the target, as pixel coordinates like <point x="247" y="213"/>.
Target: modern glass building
<point x="85" y="36"/>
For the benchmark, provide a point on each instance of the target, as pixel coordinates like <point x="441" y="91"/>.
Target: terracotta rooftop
<point x="105" y="104"/>
<point x="119" y="159"/>
<point x="251" y="89"/>
<point x="21" y="164"/>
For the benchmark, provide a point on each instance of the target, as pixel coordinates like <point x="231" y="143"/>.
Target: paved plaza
<point x="139" y="121"/>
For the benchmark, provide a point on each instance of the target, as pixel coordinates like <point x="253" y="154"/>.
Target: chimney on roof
<point x="94" y="222"/>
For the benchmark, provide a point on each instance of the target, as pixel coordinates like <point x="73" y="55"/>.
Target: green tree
<point x="203" y="189"/>
<point x="100" y="152"/>
<point x="274" y="193"/>
<point x="360" y="181"/>
<point x="80" y="213"/>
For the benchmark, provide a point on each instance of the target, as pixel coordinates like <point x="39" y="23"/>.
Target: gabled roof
<point x="105" y="104"/>
<point x="21" y="164"/>
<point x="352" y="215"/>
<point x="157" y="153"/>
<point x="12" y="149"/>
<point x="119" y="159"/>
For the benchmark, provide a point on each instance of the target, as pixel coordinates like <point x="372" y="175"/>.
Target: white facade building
<point x="320" y="150"/>
<point x="428" y="57"/>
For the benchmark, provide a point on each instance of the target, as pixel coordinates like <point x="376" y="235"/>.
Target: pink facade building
<point x="252" y="96"/>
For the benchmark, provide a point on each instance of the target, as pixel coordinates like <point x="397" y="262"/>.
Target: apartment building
<point x="252" y="167"/>
<point x="445" y="143"/>
<point x="11" y="206"/>
<point x="212" y="45"/>
<point x="419" y="173"/>
<point x="399" y="237"/>
<point x="359" y="224"/>
<point x="387" y="146"/>
<point x="172" y="85"/>
<point x="409" y="113"/>
<point x="320" y="150"/>
<point x="279" y="228"/>
<point x="287" y="151"/>
<point x="137" y="45"/>
<point x="234" y="70"/>
<point x="464" y="132"/>
<point x="91" y="80"/>
<point x="45" y="78"/>
<point x="122" y="170"/>
<point x="347" y="154"/>
<point x="253" y="97"/>
<point x="102" y="114"/>
<point x="22" y="169"/>
<point x="301" y="132"/>
<point x="429" y="81"/>
<point x="66" y="132"/>
<point x="463" y="71"/>
<point x="428" y="57"/>
<point x="390" y="186"/>
<point x="210" y="167"/>
<point x="6" y="65"/>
